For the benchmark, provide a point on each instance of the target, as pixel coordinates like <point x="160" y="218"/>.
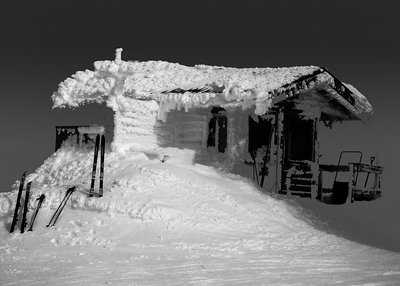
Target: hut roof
<point x="177" y="86"/>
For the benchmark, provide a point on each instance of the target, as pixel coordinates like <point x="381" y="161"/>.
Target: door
<point x="299" y="138"/>
<point x="299" y="166"/>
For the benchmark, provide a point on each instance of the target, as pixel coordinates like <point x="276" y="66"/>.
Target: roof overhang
<point x="351" y="104"/>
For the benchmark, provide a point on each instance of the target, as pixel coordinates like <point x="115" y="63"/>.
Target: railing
<point x="353" y="187"/>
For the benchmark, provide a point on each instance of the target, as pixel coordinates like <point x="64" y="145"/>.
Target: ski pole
<point x="39" y="204"/>
<point x="63" y="203"/>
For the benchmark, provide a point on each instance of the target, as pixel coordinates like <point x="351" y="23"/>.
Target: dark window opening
<point x="211" y="132"/>
<point x="259" y="133"/>
<point x="218" y="129"/>
<point x="77" y="133"/>
<point x="65" y="132"/>
<point x="299" y="137"/>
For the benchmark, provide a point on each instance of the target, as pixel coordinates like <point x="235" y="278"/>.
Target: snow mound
<point x="164" y="186"/>
<point x="144" y="188"/>
<point x="164" y="221"/>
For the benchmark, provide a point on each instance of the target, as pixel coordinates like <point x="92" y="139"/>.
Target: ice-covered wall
<point x="186" y="129"/>
<point x="189" y="130"/>
<point x="136" y="125"/>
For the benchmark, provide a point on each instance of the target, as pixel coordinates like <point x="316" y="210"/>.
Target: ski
<point x="264" y="168"/>
<point x="102" y="150"/>
<point x="60" y="208"/>
<point x="24" y="223"/>
<point x="38" y="206"/>
<point x="15" y="217"/>
<point x="96" y="152"/>
<point x="255" y="172"/>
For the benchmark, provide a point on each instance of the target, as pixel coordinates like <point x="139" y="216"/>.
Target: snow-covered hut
<point x="253" y="121"/>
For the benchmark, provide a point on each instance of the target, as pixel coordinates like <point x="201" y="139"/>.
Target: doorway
<point x="299" y="160"/>
<point x="299" y="137"/>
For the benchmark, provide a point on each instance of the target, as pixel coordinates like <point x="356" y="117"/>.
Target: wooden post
<point x="315" y="168"/>
<point x="351" y="183"/>
<point x="278" y="174"/>
<point x="320" y="178"/>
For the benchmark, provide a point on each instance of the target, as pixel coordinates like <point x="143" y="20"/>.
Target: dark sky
<point x="44" y="42"/>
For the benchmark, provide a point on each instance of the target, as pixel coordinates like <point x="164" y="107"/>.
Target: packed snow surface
<point x="165" y="220"/>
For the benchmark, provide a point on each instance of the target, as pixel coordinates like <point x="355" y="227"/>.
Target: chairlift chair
<point x="341" y="189"/>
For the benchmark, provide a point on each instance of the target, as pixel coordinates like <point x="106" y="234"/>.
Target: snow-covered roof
<point x="178" y="86"/>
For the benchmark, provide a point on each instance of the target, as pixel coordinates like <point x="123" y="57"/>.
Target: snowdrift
<point x="161" y="185"/>
<point x="166" y="221"/>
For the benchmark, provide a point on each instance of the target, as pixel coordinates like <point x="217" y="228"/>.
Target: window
<point x="217" y="129"/>
<point x="259" y="133"/>
<point x="299" y="137"/>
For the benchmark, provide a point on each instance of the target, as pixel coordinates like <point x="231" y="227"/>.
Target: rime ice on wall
<point x="136" y="124"/>
<point x="186" y="130"/>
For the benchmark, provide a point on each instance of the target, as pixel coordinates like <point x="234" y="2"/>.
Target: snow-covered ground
<point x="178" y="223"/>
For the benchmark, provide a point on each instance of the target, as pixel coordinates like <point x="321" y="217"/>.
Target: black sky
<point x="43" y="42"/>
